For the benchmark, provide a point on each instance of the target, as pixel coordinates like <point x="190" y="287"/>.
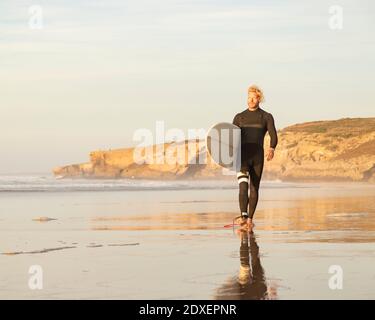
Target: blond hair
<point x="258" y="91"/>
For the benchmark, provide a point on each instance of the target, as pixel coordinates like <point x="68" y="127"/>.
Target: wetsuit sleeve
<point x="272" y="131"/>
<point x="235" y="120"/>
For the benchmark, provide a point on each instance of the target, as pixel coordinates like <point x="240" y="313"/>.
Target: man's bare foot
<point x="246" y="224"/>
<point x="250" y="224"/>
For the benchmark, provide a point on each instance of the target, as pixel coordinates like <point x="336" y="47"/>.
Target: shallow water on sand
<point x="172" y="244"/>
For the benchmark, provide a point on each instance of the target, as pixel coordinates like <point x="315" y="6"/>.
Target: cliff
<point x="338" y="150"/>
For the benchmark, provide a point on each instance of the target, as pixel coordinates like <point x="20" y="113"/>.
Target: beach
<point x="166" y="240"/>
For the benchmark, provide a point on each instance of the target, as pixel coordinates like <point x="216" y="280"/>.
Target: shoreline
<point x="106" y="243"/>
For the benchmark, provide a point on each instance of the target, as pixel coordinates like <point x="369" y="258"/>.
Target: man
<point x="254" y="123"/>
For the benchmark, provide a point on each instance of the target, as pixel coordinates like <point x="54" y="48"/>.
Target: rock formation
<point x="338" y="150"/>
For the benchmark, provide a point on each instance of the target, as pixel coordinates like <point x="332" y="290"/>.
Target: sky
<point x="84" y="75"/>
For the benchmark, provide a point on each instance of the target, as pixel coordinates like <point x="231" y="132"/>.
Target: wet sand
<point x="171" y="244"/>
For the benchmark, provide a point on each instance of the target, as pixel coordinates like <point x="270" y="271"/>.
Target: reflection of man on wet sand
<point x="251" y="283"/>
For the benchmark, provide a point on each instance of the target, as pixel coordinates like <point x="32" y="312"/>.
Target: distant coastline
<point x="336" y="150"/>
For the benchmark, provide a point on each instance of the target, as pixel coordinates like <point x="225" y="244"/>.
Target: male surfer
<point x="254" y="123"/>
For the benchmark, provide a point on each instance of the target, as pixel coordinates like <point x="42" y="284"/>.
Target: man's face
<point x="252" y="99"/>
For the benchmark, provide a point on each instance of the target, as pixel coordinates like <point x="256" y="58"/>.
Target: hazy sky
<point x="99" y="70"/>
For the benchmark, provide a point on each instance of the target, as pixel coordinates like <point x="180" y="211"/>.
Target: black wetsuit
<point x="254" y="125"/>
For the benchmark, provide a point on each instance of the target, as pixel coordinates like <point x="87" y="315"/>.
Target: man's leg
<point x="243" y="196"/>
<point x="255" y="172"/>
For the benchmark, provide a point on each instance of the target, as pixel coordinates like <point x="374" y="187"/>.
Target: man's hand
<point x="270" y="153"/>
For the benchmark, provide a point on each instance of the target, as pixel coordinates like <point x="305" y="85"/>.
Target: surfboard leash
<point x="233" y="224"/>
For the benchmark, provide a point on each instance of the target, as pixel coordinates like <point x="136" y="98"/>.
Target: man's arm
<point x="235" y="120"/>
<point x="272" y="131"/>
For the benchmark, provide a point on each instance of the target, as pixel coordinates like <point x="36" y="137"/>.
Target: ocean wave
<point x="45" y="183"/>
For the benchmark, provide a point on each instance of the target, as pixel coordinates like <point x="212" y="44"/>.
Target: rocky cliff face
<point x="339" y="150"/>
<point x="326" y="150"/>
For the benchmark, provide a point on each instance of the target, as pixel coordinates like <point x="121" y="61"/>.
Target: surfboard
<point x="223" y="143"/>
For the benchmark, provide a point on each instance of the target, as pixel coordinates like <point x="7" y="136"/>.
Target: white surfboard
<point x="223" y="143"/>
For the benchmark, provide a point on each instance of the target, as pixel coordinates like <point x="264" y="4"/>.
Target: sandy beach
<point x="172" y="244"/>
